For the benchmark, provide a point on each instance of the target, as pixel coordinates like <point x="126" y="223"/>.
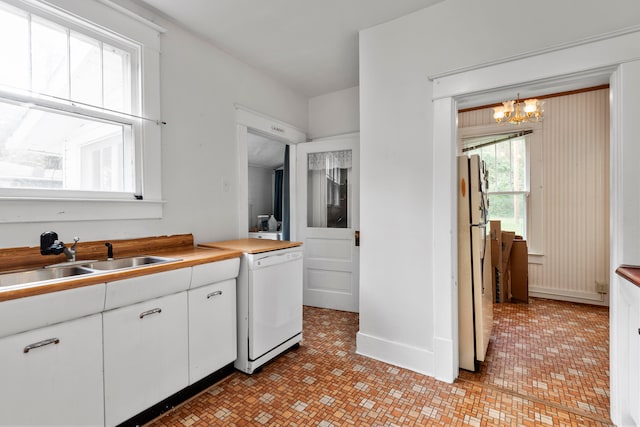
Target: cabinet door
<point x="53" y="375"/>
<point x="212" y="328"/>
<point x="145" y="355"/>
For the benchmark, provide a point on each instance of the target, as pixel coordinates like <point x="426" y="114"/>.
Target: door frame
<point x="248" y="120"/>
<point x="555" y="66"/>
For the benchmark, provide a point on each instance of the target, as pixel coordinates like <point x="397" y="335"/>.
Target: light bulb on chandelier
<point x="516" y="112"/>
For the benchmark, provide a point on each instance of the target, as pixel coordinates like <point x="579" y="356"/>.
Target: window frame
<point x="123" y="30"/>
<point x="527" y="177"/>
<point x="464" y="134"/>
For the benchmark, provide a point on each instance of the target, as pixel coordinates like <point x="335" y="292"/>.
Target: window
<point x="329" y="189"/>
<point x="506" y="163"/>
<point x="68" y="100"/>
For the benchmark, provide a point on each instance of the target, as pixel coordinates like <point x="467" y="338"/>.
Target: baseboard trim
<point x="446" y="362"/>
<point x="398" y="354"/>
<point x="176" y="399"/>
<point x="568" y="295"/>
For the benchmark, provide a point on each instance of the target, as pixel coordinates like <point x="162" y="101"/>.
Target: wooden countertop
<point x="630" y="272"/>
<point x="187" y="256"/>
<point x="252" y="246"/>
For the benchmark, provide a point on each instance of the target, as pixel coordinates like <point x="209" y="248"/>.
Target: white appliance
<point x="475" y="294"/>
<point x="271" y="235"/>
<point x="269" y="306"/>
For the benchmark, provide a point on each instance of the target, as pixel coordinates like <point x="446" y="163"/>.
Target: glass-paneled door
<point x="328" y="197"/>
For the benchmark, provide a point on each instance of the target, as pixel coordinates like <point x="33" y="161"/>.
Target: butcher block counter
<point x="180" y="247"/>
<point x="630" y="272"/>
<point x="252" y="246"/>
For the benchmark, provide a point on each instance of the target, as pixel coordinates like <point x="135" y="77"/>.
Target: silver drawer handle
<point x="150" y="312"/>
<point x="214" y="294"/>
<point x="41" y="344"/>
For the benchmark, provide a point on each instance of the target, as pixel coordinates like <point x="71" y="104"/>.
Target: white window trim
<point x="534" y="231"/>
<point x="105" y="14"/>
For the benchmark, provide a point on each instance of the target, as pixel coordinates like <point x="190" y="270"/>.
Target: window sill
<point x="34" y="209"/>
<point x="536" y="258"/>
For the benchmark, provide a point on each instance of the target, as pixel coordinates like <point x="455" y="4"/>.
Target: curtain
<point x="286" y="198"/>
<point x="325" y="175"/>
<point x="330" y="160"/>
<point x="317" y="198"/>
<point x="277" y="194"/>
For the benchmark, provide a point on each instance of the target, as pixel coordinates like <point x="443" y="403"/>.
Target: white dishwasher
<point x="275" y="304"/>
<point x="269" y="299"/>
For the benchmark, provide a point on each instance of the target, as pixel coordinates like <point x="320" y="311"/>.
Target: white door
<point x="328" y="182"/>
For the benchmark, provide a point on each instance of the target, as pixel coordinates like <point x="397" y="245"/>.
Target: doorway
<point x="573" y="64"/>
<point x="266" y="134"/>
<point x="561" y="164"/>
<point x="267" y="167"/>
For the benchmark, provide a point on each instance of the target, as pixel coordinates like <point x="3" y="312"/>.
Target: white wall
<point x="199" y="86"/>
<point x="260" y="193"/>
<point x="398" y="213"/>
<point x="335" y="113"/>
<point x="568" y="203"/>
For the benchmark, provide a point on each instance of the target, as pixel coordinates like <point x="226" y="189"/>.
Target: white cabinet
<point x="101" y="354"/>
<point x="53" y="375"/>
<point x="212" y="328"/>
<point x="145" y="355"/>
<point x="628" y="317"/>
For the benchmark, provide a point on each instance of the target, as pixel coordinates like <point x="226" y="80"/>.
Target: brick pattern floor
<point x="547" y="365"/>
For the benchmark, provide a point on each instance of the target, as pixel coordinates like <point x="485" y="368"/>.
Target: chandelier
<point x="516" y="112"/>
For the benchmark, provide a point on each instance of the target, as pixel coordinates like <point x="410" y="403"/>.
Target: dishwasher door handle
<point x="276" y="259"/>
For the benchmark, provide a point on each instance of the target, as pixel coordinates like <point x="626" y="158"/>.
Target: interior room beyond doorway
<point x="567" y="194"/>
<point x="534" y="350"/>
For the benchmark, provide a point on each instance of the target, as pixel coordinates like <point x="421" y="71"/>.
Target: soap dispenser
<point x="273" y="224"/>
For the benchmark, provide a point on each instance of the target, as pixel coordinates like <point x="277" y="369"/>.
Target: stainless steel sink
<point x="62" y="271"/>
<point x="122" y="263"/>
<point x="41" y="275"/>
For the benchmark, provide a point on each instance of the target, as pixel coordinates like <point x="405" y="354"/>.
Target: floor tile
<point x="547" y="364"/>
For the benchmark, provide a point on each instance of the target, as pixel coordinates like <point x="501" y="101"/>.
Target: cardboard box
<point x="495" y="236"/>
<point x="505" y="269"/>
<point x="519" y="271"/>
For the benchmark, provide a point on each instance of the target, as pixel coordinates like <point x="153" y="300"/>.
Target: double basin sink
<point x="62" y="271"/>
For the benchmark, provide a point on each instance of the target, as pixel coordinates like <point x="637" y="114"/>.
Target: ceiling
<point x="310" y="46"/>
<point x="264" y="152"/>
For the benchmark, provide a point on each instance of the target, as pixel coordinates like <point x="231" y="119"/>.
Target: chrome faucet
<point x="70" y="253"/>
<point x="50" y="245"/>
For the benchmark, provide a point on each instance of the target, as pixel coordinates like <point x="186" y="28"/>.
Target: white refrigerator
<point x="475" y="293"/>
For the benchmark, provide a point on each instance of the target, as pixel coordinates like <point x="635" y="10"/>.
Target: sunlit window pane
<point x="503" y="167"/>
<point x="43" y="145"/>
<point x="14" y="48"/>
<point x="45" y="150"/>
<point x="518" y="162"/>
<point x="116" y="66"/>
<point x="510" y="209"/>
<point x="86" y="70"/>
<point x="50" y="64"/>
<point x="506" y="165"/>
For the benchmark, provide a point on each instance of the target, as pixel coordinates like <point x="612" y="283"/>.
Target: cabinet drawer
<point x="205" y="274"/>
<point x="28" y="313"/>
<point x="137" y="289"/>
